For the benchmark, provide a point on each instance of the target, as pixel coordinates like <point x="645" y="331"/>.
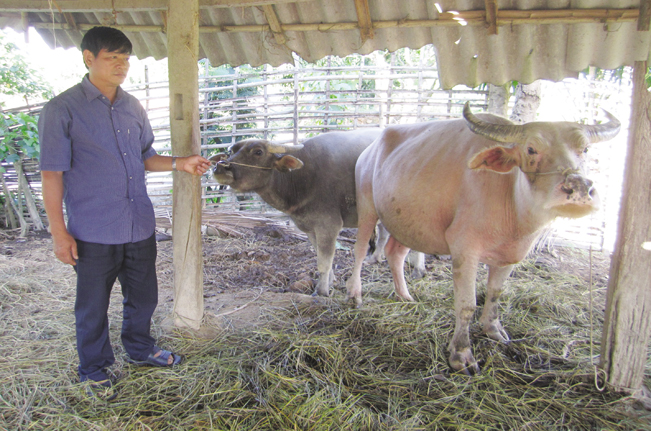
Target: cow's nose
<point x="577" y="184"/>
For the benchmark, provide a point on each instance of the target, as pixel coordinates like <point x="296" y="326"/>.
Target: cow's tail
<point x="372" y="242"/>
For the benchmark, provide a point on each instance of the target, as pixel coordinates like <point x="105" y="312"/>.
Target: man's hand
<point x="65" y="248"/>
<point x="195" y="165"/>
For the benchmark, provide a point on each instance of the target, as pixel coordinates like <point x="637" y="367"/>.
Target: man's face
<point x="108" y="68"/>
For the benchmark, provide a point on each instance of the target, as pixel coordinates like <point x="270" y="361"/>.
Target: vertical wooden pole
<point x="627" y="325"/>
<point x="183" y="52"/>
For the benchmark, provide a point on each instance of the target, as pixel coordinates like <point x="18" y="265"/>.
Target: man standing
<point x="96" y="144"/>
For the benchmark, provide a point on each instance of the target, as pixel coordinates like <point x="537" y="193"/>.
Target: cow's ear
<point x="499" y="159"/>
<point x="288" y="163"/>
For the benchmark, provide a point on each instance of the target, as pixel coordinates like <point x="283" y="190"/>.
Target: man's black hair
<point x="111" y="39"/>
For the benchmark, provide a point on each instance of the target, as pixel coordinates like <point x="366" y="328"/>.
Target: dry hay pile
<point x="280" y="360"/>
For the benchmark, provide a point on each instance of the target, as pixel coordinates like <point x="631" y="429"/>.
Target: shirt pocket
<point x="132" y="128"/>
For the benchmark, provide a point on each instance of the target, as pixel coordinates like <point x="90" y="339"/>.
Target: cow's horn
<point x="497" y="132"/>
<point x="280" y="148"/>
<point x="603" y="132"/>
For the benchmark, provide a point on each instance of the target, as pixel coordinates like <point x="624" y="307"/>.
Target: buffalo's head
<point x="551" y="154"/>
<point x="250" y="163"/>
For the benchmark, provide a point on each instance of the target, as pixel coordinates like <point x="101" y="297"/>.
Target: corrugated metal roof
<point x="582" y="33"/>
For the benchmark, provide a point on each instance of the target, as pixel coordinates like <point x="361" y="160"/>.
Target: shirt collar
<point x="93" y="92"/>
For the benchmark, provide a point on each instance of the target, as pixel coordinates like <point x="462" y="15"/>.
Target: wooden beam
<point x="477" y="18"/>
<point x="491" y="16"/>
<point x="274" y="24"/>
<point x="70" y="19"/>
<point x="627" y="324"/>
<point x="364" y="20"/>
<point x="645" y="15"/>
<point x="122" y="5"/>
<point x="24" y="18"/>
<point x="183" y="53"/>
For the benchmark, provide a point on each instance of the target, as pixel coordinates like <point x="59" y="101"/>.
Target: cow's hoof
<point x="417" y="273"/>
<point x="320" y="293"/>
<point x="406" y="297"/>
<point x="497" y="333"/>
<point x="463" y="361"/>
<point x="356" y="301"/>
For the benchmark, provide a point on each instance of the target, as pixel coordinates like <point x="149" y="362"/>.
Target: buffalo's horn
<point x="281" y="148"/>
<point x="497" y="132"/>
<point x="603" y="132"/>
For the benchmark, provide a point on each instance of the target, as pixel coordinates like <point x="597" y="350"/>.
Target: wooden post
<point x="183" y="52"/>
<point x="627" y="325"/>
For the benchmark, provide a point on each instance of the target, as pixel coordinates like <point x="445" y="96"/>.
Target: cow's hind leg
<point x="490" y="317"/>
<point x="380" y="243"/>
<point x="396" y="253"/>
<point x="364" y="232"/>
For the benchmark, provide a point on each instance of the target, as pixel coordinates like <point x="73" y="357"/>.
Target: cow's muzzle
<point x="577" y="187"/>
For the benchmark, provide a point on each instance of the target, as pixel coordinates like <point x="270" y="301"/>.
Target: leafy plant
<point x="17" y="77"/>
<point x="18" y="137"/>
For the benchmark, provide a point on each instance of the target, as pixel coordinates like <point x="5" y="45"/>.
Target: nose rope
<point x="565" y="172"/>
<point x="228" y="164"/>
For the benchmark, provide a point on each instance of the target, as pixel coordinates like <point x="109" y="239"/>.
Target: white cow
<point x="480" y="189"/>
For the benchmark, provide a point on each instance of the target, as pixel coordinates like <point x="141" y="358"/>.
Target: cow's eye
<point x="585" y="150"/>
<point x="531" y="151"/>
<point x="257" y="152"/>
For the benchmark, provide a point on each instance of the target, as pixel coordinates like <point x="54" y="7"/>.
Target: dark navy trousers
<point x="98" y="266"/>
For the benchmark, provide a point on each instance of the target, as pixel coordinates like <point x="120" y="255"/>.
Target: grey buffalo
<point x="313" y="183"/>
<point x="480" y="189"/>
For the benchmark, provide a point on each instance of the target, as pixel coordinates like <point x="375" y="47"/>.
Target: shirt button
<point x="125" y="154"/>
<point x="118" y="130"/>
<point x="131" y="200"/>
<point x="130" y="178"/>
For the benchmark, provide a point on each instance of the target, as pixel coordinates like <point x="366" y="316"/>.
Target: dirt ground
<point x="264" y="268"/>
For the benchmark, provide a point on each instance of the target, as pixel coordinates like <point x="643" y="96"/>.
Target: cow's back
<point x="419" y="178"/>
<point x="325" y="185"/>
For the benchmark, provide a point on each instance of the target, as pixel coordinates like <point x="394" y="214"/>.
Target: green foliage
<point x="18" y="137"/>
<point x="16" y="75"/>
<point x="246" y="75"/>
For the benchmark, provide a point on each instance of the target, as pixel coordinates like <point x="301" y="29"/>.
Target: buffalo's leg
<point x="464" y="273"/>
<point x="396" y="253"/>
<point x="325" y="243"/>
<point x="417" y="261"/>
<point x="490" y="317"/>
<point x="364" y="232"/>
<point x="380" y="243"/>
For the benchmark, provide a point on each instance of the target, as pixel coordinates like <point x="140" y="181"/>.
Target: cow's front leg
<point x="396" y="253"/>
<point x="490" y="317"/>
<point x="325" y="244"/>
<point x="464" y="273"/>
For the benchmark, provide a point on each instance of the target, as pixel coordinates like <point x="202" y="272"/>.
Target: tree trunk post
<point x="627" y="325"/>
<point x="183" y="53"/>
<point x="498" y="99"/>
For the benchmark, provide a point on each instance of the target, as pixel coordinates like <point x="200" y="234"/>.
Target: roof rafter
<point x="491" y="16"/>
<point x="274" y="23"/>
<point x="121" y="5"/>
<point x="364" y="20"/>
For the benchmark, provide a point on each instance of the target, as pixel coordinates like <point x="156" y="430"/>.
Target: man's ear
<point x="288" y="163"/>
<point x="498" y="159"/>
<point x="88" y="57"/>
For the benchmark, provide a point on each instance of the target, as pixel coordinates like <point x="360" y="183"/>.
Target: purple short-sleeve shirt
<point x="101" y="149"/>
